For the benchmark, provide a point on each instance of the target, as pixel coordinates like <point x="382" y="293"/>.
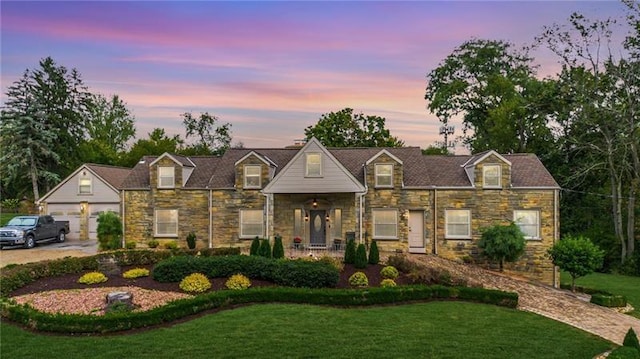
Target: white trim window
<point x="84" y="185"/>
<point x="313" y="165"/>
<point x="458" y="223"/>
<point x="491" y="176"/>
<point x="529" y="223"/>
<point x="251" y="223"/>
<point x="166" y="222"/>
<point x="252" y="176"/>
<point x="385" y="223"/>
<point x="384" y="175"/>
<point x="166" y="177"/>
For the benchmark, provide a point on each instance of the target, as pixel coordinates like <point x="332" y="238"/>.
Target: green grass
<point x="612" y="283"/>
<point x="424" y="330"/>
<point x="6" y="216"/>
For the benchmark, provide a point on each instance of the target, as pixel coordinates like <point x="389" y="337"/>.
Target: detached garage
<point x="81" y="197"/>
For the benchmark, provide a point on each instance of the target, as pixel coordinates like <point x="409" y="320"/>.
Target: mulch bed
<point x="70" y="281"/>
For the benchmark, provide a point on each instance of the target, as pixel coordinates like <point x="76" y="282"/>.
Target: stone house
<point x="406" y="201"/>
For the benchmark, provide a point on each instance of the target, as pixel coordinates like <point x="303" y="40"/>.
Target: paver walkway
<point x="560" y="305"/>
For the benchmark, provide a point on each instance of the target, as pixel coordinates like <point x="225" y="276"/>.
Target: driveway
<point x="560" y="305"/>
<point x="69" y="248"/>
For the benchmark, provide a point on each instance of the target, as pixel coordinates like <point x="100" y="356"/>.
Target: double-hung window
<point x="458" y="223"/>
<point x="529" y="223"/>
<point x="84" y="185"/>
<point x="166" y="222"/>
<point x="384" y="175"/>
<point x="166" y="177"/>
<point x="313" y="165"/>
<point x="491" y="176"/>
<point x="251" y="223"/>
<point x="385" y="224"/>
<point x="252" y="176"/>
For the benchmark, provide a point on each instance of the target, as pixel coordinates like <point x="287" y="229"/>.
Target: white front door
<point x="416" y="232"/>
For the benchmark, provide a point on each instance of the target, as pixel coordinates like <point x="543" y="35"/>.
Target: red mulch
<point x="70" y="281"/>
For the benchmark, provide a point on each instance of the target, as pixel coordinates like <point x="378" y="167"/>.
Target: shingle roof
<point x="111" y="174"/>
<point x="420" y="171"/>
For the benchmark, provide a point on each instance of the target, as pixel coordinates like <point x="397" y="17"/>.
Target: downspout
<point x="266" y="203"/>
<point x="556" y="233"/>
<point x="366" y="189"/>
<point x="435" y="221"/>
<point x="123" y="221"/>
<point x="210" y="219"/>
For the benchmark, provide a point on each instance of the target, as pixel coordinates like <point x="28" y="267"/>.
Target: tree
<point x="576" y="255"/>
<point x="346" y="129"/>
<point x="493" y="87"/>
<point x="435" y="150"/>
<point x="157" y="144"/>
<point x="42" y="124"/>
<point x="278" y="248"/>
<point x="350" y="252"/>
<point x="502" y="243"/>
<point x="109" y="231"/>
<point x="361" y="257"/>
<point x="374" y="253"/>
<point x="211" y="139"/>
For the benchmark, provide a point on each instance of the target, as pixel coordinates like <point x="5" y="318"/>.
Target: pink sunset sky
<point x="269" y="68"/>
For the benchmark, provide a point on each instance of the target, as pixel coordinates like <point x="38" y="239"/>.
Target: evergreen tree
<point x="374" y="254"/>
<point x="361" y="257"/>
<point x="278" y="249"/>
<point x="350" y="252"/>
<point x="255" y="247"/>
<point x="265" y="248"/>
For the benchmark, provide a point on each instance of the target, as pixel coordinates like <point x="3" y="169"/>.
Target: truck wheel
<point x="61" y="237"/>
<point x="30" y="242"/>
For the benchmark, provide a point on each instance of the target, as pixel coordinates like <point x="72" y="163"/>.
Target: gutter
<point x="435" y="221"/>
<point x="122" y="199"/>
<point x="362" y="194"/>
<point x="210" y="219"/>
<point x="266" y="204"/>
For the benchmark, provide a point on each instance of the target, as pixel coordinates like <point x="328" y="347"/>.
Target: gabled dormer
<point x="314" y="170"/>
<point x="384" y="170"/>
<point x="170" y="171"/>
<point x="488" y="170"/>
<point x="253" y="171"/>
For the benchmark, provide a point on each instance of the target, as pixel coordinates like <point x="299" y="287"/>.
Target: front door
<point x="317" y="228"/>
<point x="416" y="232"/>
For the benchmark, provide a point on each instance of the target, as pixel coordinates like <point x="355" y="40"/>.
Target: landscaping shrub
<point x="92" y="278"/>
<point x="195" y="283"/>
<point x="374" y="254"/>
<point x="359" y="279"/>
<point x="278" y="249"/>
<point x="171" y="245"/>
<point x="387" y="282"/>
<point x="335" y="262"/>
<point x="238" y="282"/>
<point x="389" y="272"/>
<point x="255" y="247"/>
<point x="576" y="255"/>
<point x="130" y="244"/>
<point x="361" y="257"/>
<point x="191" y="240"/>
<point x="153" y="243"/>
<point x="220" y="251"/>
<point x="136" y="273"/>
<point x="109" y="231"/>
<point x="607" y="300"/>
<point x="350" y="252"/>
<point x="301" y="273"/>
<point x="502" y="243"/>
<point x="631" y="340"/>
<point x="265" y="249"/>
<point x="624" y="353"/>
<point x="402" y="263"/>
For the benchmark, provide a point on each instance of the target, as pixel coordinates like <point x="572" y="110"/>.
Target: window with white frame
<point x="166" y="177"/>
<point x="252" y="176"/>
<point x="385" y="224"/>
<point x="313" y="165"/>
<point x="491" y="175"/>
<point x="84" y="185"/>
<point x="166" y="222"/>
<point x="384" y="175"/>
<point x="529" y="223"/>
<point x="251" y="223"/>
<point x="458" y="223"/>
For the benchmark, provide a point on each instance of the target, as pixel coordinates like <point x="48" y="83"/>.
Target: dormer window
<point x="84" y="185"/>
<point x="166" y="177"/>
<point x="252" y="175"/>
<point x="313" y="165"/>
<point x="491" y="175"/>
<point x="384" y="175"/>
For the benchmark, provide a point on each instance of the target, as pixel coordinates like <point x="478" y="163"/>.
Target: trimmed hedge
<point x="113" y="322"/>
<point x="609" y="300"/>
<point x="290" y="273"/>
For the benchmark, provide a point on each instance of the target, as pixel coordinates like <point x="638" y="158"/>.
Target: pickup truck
<point x="27" y="231"/>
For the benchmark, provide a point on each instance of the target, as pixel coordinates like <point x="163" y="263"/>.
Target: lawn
<point x="423" y="330"/>
<point x="612" y="283"/>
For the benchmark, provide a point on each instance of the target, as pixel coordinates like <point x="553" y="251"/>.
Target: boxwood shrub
<point x="609" y="300"/>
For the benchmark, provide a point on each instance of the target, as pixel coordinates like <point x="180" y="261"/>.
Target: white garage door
<point x="67" y="212"/>
<point x="94" y="212"/>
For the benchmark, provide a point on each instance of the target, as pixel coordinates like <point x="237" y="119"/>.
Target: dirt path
<point x="556" y="304"/>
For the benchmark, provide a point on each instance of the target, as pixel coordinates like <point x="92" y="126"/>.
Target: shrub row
<point x="609" y="300"/>
<point x="13" y="277"/>
<point x="289" y="273"/>
<point x="117" y="321"/>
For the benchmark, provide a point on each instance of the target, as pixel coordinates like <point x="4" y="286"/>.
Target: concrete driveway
<point x="75" y="248"/>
